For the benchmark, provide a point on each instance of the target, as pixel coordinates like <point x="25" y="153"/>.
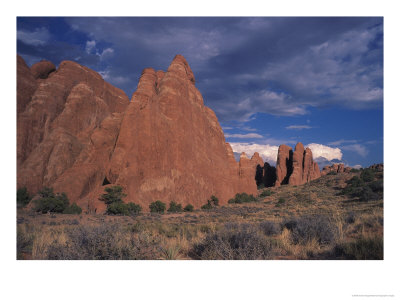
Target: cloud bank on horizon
<point x="318" y="80"/>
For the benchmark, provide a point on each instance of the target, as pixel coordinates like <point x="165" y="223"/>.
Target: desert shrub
<point x="214" y="200"/>
<point x="376" y="186"/>
<point x="307" y="228"/>
<point x="174" y="207"/>
<point x="95" y="243"/>
<point x="188" y="207"/>
<point x="366" y="194"/>
<point x="367" y="175"/>
<point x="157" y="207"/>
<point x="282" y="201"/>
<point x="211" y="203"/>
<point x="23" y="197"/>
<point x="332" y="173"/>
<point x="350" y="218"/>
<point x="50" y="202"/>
<point x="354" y="170"/>
<point x="24" y="241"/>
<point x="362" y="248"/>
<point x="73" y="209"/>
<point x="269" y="228"/>
<point x="242" y="198"/>
<point x="266" y="193"/>
<point x="117" y="208"/>
<point x="113" y="194"/>
<point x="353" y="187"/>
<point x="133" y="208"/>
<point x="207" y="206"/>
<point x="233" y="242"/>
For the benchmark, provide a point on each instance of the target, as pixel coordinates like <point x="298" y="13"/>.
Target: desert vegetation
<point x="329" y="218"/>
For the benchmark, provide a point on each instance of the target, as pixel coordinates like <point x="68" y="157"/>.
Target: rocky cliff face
<point x="295" y="168"/>
<point x="67" y="130"/>
<point x="77" y="133"/>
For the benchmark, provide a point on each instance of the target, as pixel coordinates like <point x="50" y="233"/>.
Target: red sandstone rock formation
<point x="26" y="85"/>
<point x="77" y="133"/>
<point x="378" y="167"/>
<point x="42" y="69"/>
<point x="284" y="165"/>
<point x="68" y="130"/>
<point x="296" y="167"/>
<point x="337" y="168"/>
<point x="171" y="147"/>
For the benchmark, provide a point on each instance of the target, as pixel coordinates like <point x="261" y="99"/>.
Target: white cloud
<point x="359" y="149"/>
<point x="90" y="47"/>
<point x="340" y="142"/>
<point x="298" y="127"/>
<point x="357" y="166"/>
<point x="36" y="38"/>
<point x="267" y="152"/>
<point x="106" y="53"/>
<point x="244" y="136"/>
<point x="326" y="152"/>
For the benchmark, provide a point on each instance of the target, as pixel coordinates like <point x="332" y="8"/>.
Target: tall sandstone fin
<point x="171" y="147"/>
<point x="295" y="168"/>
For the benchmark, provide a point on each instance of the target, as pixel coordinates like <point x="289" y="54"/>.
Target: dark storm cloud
<point x="242" y="66"/>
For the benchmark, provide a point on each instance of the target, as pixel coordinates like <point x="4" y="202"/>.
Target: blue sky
<point x="271" y="81"/>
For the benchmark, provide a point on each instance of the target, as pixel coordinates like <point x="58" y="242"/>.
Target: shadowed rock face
<point x="295" y="168"/>
<point x="269" y="175"/>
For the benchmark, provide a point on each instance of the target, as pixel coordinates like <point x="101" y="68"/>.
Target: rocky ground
<point x="323" y="219"/>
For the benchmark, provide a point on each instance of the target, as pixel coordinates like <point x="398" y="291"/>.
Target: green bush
<point x="266" y="193"/>
<point x="174" y="207"/>
<point x="354" y="171"/>
<point x="23" y="197"/>
<point x="188" y="207"/>
<point x="367" y="175"/>
<point x="157" y="207"/>
<point x="208" y="205"/>
<point x="242" y="198"/>
<point x="133" y="208"/>
<point x="280" y="202"/>
<point x="114" y="194"/>
<point x="214" y="200"/>
<point x="362" y="248"/>
<point x="376" y="186"/>
<point x="49" y="202"/>
<point x="117" y="208"/>
<point x="332" y="173"/>
<point x="73" y="209"/>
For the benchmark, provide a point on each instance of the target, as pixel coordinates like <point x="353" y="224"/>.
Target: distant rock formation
<point x="378" y="167"/>
<point x="295" y="168"/>
<point x="77" y="133"/>
<point x="337" y="168"/>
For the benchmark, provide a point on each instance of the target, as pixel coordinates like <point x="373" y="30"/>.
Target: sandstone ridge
<point x="78" y="134"/>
